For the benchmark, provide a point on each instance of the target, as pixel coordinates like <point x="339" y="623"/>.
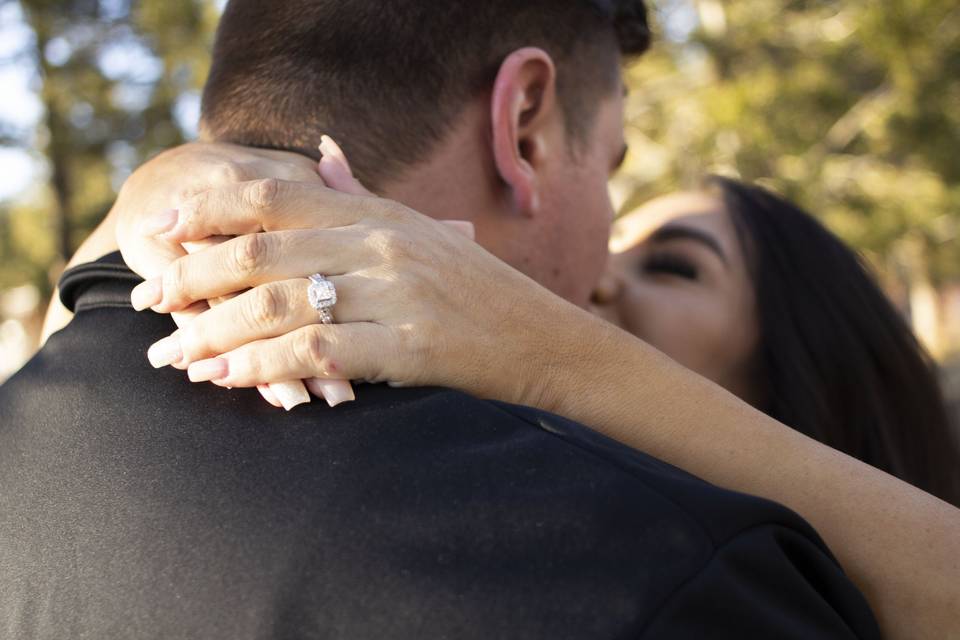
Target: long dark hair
<point x="836" y="360"/>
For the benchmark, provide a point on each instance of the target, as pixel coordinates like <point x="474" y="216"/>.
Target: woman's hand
<point x="195" y="168"/>
<point x="160" y="185"/>
<point x="419" y="302"/>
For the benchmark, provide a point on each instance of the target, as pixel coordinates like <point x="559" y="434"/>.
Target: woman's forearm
<point x="900" y="545"/>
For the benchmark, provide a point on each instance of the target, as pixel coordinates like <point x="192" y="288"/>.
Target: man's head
<point x="507" y="112"/>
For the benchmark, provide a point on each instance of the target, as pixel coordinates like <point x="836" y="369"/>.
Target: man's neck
<point x="458" y="181"/>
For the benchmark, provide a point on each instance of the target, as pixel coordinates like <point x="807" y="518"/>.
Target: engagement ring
<point x="322" y="295"/>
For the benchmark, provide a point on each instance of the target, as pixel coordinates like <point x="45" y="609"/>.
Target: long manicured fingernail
<point x="146" y="294"/>
<point x="159" y="222"/>
<point x="268" y="395"/>
<point x="333" y="391"/>
<point x="165" y="352"/>
<point x="330" y="149"/>
<point x="290" y="394"/>
<point x="207" y="370"/>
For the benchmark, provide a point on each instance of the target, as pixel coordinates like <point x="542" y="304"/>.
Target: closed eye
<point x="669" y="264"/>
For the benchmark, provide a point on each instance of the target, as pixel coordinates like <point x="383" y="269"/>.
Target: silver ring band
<point x="322" y="295"/>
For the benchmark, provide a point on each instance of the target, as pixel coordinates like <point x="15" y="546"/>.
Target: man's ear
<point x="523" y="105"/>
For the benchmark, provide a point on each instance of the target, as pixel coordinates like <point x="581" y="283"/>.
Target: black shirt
<point x="134" y="504"/>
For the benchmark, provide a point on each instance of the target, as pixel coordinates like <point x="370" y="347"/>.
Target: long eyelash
<point x="669" y="264"/>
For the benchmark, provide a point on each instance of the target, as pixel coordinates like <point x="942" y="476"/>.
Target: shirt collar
<point x="106" y="282"/>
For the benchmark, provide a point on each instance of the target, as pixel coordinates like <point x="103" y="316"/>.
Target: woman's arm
<point x="901" y="546"/>
<point x="422" y="305"/>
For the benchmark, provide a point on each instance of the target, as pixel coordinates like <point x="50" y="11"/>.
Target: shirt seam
<point x="88" y="306"/>
<point x="693" y="577"/>
<point x="716" y="546"/>
<point x="624" y="468"/>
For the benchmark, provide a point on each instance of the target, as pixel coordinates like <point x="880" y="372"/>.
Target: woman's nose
<point x="608" y="289"/>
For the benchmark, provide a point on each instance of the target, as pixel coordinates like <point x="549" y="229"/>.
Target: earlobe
<point x="522" y="106"/>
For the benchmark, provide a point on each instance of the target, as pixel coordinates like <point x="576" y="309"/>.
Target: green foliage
<point x="850" y="108"/>
<point x="111" y="76"/>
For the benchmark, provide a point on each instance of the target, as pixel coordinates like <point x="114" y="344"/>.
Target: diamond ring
<point x="322" y="295"/>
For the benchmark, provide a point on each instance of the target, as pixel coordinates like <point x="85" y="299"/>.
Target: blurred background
<point x="851" y="108"/>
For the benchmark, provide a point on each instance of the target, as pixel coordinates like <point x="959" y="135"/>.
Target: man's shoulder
<point x="575" y="449"/>
<point x="511" y="521"/>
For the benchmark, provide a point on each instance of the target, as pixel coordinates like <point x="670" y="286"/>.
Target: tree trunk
<point x="58" y="143"/>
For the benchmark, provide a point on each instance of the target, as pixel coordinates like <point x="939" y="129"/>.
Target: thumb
<point x="335" y="170"/>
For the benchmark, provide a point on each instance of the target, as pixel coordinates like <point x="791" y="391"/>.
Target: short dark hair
<point x="386" y="78"/>
<point x="836" y="360"/>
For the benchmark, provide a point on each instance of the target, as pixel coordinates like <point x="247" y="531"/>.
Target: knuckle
<point x="401" y="212"/>
<point x="410" y="347"/>
<point x="191" y="342"/>
<point x="185" y="194"/>
<point x="392" y="210"/>
<point x="266" y="306"/>
<point x="415" y="345"/>
<point x="226" y="172"/>
<point x="195" y="204"/>
<point x="314" y="348"/>
<point x="379" y="210"/>
<point x="390" y="244"/>
<point x="249" y="253"/>
<point x="174" y="280"/>
<point x="261" y="194"/>
<point x="245" y="365"/>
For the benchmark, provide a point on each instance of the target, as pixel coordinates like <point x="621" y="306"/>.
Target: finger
<point x="335" y="169"/>
<point x="337" y="177"/>
<point x="269" y="205"/>
<point x="150" y="292"/>
<point x="282" y="394"/>
<point x="145" y="254"/>
<point x="186" y="316"/>
<point x="263" y="163"/>
<point x="350" y="351"/>
<point x="198" y="246"/>
<point x="266" y="311"/>
<point x="256" y="259"/>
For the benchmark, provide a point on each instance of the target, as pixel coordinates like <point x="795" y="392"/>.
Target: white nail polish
<point x="146" y="294"/>
<point x="337" y="392"/>
<point x="290" y="394"/>
<point x="165" y="352"/>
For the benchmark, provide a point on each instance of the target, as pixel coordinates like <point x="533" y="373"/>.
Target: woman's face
<point x="678" y="280"/>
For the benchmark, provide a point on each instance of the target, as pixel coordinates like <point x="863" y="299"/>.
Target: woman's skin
<point x="215" y="165"/>
<point x="679" y="281"/>
<point x="417" y="315"/>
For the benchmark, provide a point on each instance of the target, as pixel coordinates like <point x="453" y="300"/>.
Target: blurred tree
<point x="850" y="108"/>
<point x="118" y="81"/>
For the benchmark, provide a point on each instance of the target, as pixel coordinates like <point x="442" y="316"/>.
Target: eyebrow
<point x="680" y="232"/>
